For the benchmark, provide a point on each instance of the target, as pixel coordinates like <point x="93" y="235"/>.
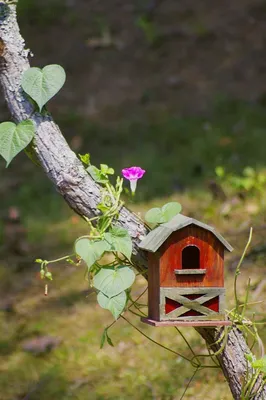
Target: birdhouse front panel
<point x="192" y="257"/>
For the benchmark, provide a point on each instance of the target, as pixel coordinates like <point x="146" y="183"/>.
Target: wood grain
<point x="190" y="271"/>
<point x="152" y="322"/>
<point x="211" y="259"/>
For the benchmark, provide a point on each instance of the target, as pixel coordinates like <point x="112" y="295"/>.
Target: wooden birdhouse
<point x="185" y="274"/>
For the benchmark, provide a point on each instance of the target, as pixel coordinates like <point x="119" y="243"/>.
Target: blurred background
<point x="178" y="88"/>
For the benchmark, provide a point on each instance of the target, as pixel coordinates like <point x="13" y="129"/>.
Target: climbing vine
<point x="113" y="278"/>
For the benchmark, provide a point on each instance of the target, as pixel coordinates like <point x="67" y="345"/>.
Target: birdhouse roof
<point x="153" y="241"/>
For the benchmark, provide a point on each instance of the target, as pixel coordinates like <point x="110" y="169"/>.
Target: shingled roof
<point x="153" y="241"/>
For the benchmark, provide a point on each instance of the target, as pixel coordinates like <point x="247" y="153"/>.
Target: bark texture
<point x="81" y="193"/>
<point x="233" y="362"/>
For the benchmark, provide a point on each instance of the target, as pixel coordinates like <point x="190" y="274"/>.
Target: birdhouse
<point x="185" y="274"/>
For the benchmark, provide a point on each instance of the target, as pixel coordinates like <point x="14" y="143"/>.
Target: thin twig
<point x="189" y="382"/>
<point x="238" y="270"/>
<point x="154" y="341"/>
<point x="187" y="342"/>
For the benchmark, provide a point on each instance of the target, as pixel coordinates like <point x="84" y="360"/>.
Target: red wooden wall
<point x="211" y="259"/>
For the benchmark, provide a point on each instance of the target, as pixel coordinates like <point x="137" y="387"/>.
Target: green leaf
<point x="161" y="215"/>
<point x="91" y="251"/>
<point x="169" y="210"/>
<point x="154" y="216"/>
<point x="260" y="364"/>
<point x="106" y="170"/>
<point x="97" y="175"/>
<point x="119" y="232"/>
<point x="102" y="207"/>
<point x="116" y="304"/>
<point x="103" y="338"/>
<point x="48" y="275"/>
<point x="43" y="84"/>
<point x="249" y="357"/>
<point x="14" y="138"/>
<point x="85" y="158"/>
<point x="109" y="340"/>
<point x="120" y="241"/>
<point x="106" y="337"/>
<point x="112" y="281"/>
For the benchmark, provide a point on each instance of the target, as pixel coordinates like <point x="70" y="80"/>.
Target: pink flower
<point x="133" y="174"/>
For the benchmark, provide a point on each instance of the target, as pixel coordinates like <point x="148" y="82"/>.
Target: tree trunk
<point x="82" y="194"/>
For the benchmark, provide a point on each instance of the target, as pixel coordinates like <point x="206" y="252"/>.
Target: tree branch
<point x="81" y="193"/>
<point x="58" y="161"/>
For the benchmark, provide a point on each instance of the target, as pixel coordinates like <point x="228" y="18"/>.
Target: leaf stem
<point x="59" y="259"/>
<point x="237" y="272"/>
<point x="189" y="383"/>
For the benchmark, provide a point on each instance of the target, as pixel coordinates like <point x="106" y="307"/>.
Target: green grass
<point x="177" y="152"/>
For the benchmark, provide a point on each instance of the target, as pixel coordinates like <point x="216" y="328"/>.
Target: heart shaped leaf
<point x="14" y="138"/>
<point x="154" y="216"/>
<point x="260" y="364"/>
<point x="43" y="84"/>
<point x="97" y="174"/>
<point x="115" y="304"/>
<point x="170" y="210"/>
<point x="106" y="170"/>
<point x="106" y="337"/>
<point x="164" y="214"/>
<point x="112" y="281"/>
<point x="120" y="241"/>
<point x="91" y="251"/>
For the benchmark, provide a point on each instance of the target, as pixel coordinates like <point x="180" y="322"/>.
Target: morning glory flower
<point x="133" y="174"/>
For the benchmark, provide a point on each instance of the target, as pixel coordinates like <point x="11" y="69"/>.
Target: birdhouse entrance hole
<point x="191" y="257"/>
